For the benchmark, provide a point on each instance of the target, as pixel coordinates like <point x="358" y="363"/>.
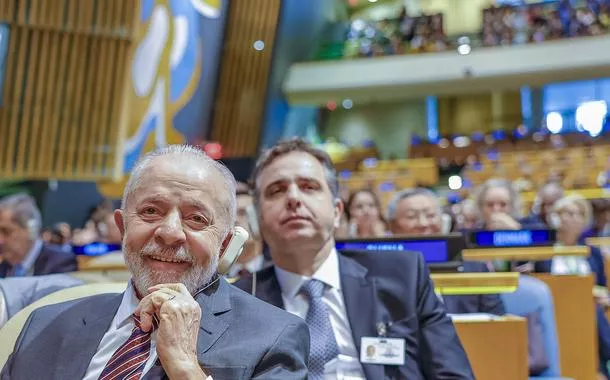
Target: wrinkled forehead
<point x="184" y="178"/>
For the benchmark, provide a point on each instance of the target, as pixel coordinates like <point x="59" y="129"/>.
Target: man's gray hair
<point x="408" y="193"/>
<point x="24" y="211"/>
<point x="515" y="198"/>
<point x="191" y="152"/>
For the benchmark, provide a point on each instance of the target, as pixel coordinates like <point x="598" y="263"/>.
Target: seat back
<point x="11" y="330"/>
<point x="531" y="296"/>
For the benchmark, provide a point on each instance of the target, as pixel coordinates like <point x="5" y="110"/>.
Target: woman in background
<point x="363" y="211"/>
<point x="571" y="216"/>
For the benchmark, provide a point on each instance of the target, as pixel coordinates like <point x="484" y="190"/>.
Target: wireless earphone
<point x="233" y="250"/>
<point x="33" y="229"/>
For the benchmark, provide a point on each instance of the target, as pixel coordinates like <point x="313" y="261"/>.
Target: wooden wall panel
<point x="63" y="87"/>
<point x="242" y="87"/>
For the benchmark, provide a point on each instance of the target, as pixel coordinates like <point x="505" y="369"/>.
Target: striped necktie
<point x="129" y="360"/>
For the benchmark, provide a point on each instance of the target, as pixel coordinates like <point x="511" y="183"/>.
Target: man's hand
<point x="179" y="316"/>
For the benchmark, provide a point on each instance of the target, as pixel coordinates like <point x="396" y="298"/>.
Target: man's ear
<point x="225" y="243"/>
<point x="118" y="219"/>
<point x="338" y="212"/>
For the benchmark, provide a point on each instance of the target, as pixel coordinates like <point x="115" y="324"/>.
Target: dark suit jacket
<point x="49" y="261"/>
<point x="476" y="303"/>
<point x="240" y="337"/>
<point x="394" y="288"/>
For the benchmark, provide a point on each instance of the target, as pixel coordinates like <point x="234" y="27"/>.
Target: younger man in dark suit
<point x="21" y="248"/>
<point x="372" y="316"/>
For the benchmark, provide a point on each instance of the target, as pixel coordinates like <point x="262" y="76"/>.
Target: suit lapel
<point x="81" y="342"/>
<point x="215" y="314"/>
<point x="359" y="291"/>
<point x="268" y="288"/>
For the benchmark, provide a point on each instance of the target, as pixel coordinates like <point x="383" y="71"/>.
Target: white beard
<point x="143" y="277"/>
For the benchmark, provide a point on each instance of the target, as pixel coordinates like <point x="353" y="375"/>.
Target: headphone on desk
<point x="232" y="250"/>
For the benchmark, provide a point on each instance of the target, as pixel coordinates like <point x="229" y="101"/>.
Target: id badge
<point x="379" y="350"/>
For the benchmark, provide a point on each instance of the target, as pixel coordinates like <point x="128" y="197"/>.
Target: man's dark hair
<point x="283" y="148"/>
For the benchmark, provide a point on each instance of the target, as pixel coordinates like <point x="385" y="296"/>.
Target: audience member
<point x="416" y="211"/>
<point x="364" y="216"/>
<point x="418" y="223"/>
<point x="21" y="247"/>
<point x="499" y="205"/>
<point x="296" y="195"/>
<point x="468" y="216"/>
<point x="545" y="199"/>
<point x="571" y="215"/>
<point x="177" y="215"/>
<point x="252" y="258"/>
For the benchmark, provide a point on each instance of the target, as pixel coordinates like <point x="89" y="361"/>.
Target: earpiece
<point x="232" y="250"/>
<point x="33" y="229"/>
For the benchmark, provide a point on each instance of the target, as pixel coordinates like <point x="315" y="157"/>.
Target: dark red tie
<point x="129" y="360"/>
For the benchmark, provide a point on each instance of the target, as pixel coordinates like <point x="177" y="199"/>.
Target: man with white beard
<point x="178" y="318"/>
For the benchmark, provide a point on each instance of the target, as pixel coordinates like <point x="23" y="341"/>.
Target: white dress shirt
<point x="347" y="365"/>
<point x="27" y="264"/>
<point x="120" y="330"/>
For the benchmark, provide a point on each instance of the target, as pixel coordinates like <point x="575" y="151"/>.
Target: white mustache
<point x="153" y="249"/>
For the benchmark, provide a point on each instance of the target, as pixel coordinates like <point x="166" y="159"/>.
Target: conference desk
<point x="573" y="301"/>
<point x="474" y="283"/>
<point x="497" y="349"/>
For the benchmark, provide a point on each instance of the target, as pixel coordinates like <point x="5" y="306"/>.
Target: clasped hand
<point x="179" y="316"/>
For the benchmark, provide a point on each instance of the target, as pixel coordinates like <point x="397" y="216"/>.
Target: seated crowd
<point x="539" y="22"/>
<point x="505" y="25"/>
<point x="293" y="212"/>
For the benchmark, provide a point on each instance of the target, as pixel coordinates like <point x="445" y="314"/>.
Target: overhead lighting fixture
<point x="554" y="122"/>
<point x="590" y="116"/>
<point x="372" y="1"/>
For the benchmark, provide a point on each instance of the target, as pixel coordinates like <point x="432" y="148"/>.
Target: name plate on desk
<point x="517" y="238"/>
<point x="435" y="248"/>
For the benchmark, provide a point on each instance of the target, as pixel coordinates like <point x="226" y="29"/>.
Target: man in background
<point x="350" y="300"/>
<point x="418" y="212"/>
<point x="21" y="247"/>
<point x="251" y="258"/>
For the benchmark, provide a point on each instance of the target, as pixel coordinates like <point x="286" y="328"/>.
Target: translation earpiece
<point x="32" y="227"/>
<point x="232" y="250"/>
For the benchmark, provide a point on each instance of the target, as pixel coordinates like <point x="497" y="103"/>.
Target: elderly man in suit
<point x="21" y="247"/>
<point x="372" y="316"/>
<point x="418" y="212"/>
<point x="178" y="318"/>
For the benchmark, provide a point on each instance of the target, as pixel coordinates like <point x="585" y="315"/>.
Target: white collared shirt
<point x="347" y="365"/>
<point x="30" y="258"/>
<point x="120" y="330"/>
